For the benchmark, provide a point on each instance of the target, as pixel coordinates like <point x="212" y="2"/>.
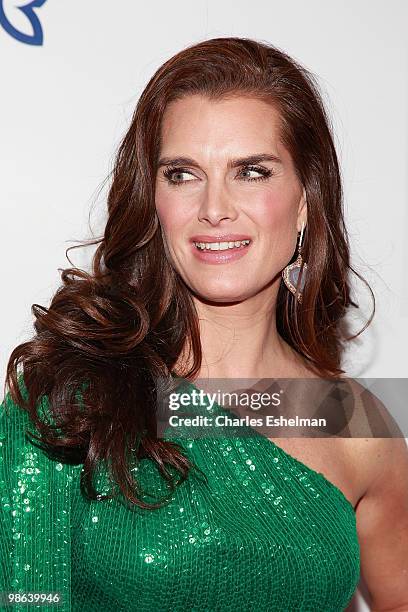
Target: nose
<point x="217" y="203"/>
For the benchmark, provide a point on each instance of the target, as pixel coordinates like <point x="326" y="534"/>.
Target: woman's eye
<point x="177" y="177"/>
<point x="255" y="173"/>
<point x="249" y="173"/>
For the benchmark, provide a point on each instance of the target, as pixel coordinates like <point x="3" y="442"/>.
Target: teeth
<point x="221" y="246"/>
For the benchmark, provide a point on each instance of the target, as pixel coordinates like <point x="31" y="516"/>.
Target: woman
<point x="229" y="143"/>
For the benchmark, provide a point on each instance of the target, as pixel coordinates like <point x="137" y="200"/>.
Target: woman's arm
<point x="6" y="541"/>
<point x="382" y="523"/>
<point x="34" y="518"/>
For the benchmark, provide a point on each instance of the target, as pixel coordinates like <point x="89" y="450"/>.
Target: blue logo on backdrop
<point x="36" y="38"/>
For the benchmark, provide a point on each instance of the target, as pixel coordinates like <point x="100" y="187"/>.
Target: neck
<point x="240" y="340"/>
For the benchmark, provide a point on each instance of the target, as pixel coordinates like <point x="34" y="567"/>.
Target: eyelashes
<point x="264" y="172"/>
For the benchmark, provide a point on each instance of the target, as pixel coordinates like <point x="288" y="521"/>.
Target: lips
<point x="219" y="238"/>
<point x="218" y="256"/>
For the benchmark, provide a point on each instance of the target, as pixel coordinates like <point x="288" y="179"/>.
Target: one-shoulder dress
<point x="261" y="532"/>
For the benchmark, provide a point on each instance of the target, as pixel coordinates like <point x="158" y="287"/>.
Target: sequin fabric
<point x="262" y="532"/>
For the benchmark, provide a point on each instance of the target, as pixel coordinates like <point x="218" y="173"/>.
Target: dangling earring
<point x="291" y="272"/>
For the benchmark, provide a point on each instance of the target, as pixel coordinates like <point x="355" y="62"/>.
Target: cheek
<point x="176" y="206"/>
<point x="275" y="214"/>
<point x="173" y="216"/>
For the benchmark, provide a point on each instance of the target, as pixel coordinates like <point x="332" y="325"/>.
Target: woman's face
<point x="223" y="171"/>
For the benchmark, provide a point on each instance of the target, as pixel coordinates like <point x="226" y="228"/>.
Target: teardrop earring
<point x="295" y="273"/>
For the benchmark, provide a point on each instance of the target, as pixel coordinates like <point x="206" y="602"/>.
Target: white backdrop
<point x="66" y="103"/>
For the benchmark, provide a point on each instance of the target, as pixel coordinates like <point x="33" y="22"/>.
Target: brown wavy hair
<point x="120" y="327"/>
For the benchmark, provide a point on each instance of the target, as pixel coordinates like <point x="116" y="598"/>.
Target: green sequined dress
<point x="262" y="533"/>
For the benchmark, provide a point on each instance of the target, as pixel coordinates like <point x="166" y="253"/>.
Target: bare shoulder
<point x="373" y="461"/>
<point x="375" y="443"/>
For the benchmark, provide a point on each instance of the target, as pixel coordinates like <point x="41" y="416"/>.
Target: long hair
<point x="113" y="332"/>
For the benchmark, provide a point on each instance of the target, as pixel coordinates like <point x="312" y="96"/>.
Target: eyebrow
<point x="232" y="163"/>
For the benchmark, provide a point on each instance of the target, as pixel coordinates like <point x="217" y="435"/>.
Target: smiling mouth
<point x="221" y="246"/>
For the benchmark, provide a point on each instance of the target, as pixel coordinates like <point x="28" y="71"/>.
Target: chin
<point x="222" y="296"/>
